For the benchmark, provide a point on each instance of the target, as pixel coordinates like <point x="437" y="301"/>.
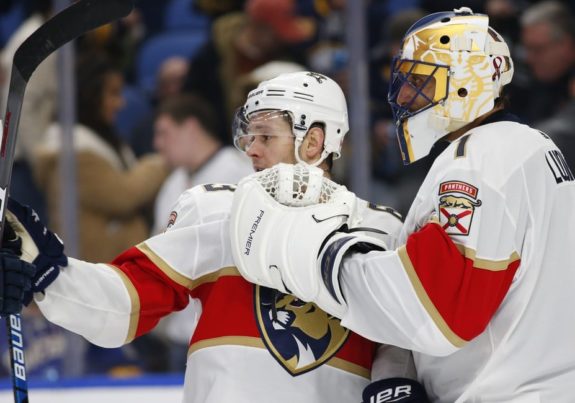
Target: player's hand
<point x="15" y="281"/>
<point x="37" y="245"/>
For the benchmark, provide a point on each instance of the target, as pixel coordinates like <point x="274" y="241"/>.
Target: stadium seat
<point x="136" y="108"/>
<point x="180" y="15"/>
<point x="159" y="48"/>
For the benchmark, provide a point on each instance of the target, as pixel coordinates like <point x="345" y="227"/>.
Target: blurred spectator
<point x="38" y="108"/>
<point x="169" y="83"/>
<point x="120" y="39"/>
<point x="171" y="77"/>
<point x="548" y="40"/>
<point x="113" y="187"/>
<point x="548" y="36"/>
<point x="561" y="126"/>
<point x="331" y="13"/>
<point x="504" y="18"/>
<point x="267" y="30"/>
<point x="185" y="135"/>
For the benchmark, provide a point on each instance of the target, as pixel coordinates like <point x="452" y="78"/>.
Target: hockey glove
<point x="400" y="390"/>
<point x="38" y="246"/>
<point x="278" y="246"/>
<point x="15" y="281"/>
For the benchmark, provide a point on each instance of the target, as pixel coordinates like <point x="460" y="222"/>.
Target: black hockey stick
<point x="73" y="21"/>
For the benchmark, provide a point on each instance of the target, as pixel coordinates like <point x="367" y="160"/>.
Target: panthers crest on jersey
<point x="298" y="334"/>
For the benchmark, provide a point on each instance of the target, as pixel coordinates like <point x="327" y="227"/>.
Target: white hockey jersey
<point x="484" y="292"/>
<point x="251" y="344"/>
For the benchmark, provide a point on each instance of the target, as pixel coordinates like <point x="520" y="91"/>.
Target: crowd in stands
<point x="156" y="93"/>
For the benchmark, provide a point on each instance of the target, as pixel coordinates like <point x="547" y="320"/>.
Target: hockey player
<point x="481" y="285"/>
<point x="251" y="344"/>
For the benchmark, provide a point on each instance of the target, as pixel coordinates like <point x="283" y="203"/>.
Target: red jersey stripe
<point x="459" y="292"/>
<point x="158" y="293"/>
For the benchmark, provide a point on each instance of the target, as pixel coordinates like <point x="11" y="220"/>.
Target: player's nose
<point x="254" y="149"/>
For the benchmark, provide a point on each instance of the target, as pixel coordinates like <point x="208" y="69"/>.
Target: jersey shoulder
<point x="201" y="204"/>
<point x="492" y="153"/>
<point x="500" y="141"/>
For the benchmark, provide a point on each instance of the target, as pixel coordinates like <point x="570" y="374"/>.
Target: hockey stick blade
<point x="73" y="21"/>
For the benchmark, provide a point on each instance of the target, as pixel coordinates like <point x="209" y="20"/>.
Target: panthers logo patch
<point x="457" y="204"/>
<point x="298" y="334"/>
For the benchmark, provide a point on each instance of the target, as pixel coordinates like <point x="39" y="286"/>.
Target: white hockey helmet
<point x="307" y="98"/>
<point x="470" y="64"/>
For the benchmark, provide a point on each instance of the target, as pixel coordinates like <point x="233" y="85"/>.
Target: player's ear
<point x="312" y="145"/>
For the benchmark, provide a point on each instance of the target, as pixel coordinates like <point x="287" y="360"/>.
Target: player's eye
<point x="415" y="81"/>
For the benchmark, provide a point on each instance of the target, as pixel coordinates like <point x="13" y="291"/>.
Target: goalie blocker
<point x="261" y="206"/>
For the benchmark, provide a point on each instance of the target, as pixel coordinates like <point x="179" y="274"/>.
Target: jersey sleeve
<point x="111" y="304"/>
<point x="439" y="290"/>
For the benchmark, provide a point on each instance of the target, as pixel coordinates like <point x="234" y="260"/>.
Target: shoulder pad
<point x="201" y="203"/>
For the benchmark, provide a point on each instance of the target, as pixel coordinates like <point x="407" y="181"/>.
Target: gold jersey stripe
<point x="135" y="300"/>
<point x="426" y="301"/>
<point x="164" y="267"/>
<point x="486" y="264"/>
<point x="471" y="254"/>
<point x="180" y="278"/>
<point x="256" y="342"/>
<point x="227" y="341"/>
<point x="212" y="277"/>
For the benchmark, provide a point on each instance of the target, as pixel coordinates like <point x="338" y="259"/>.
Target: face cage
<point x="243" y="139"/>
<point x="399" y="79"/>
